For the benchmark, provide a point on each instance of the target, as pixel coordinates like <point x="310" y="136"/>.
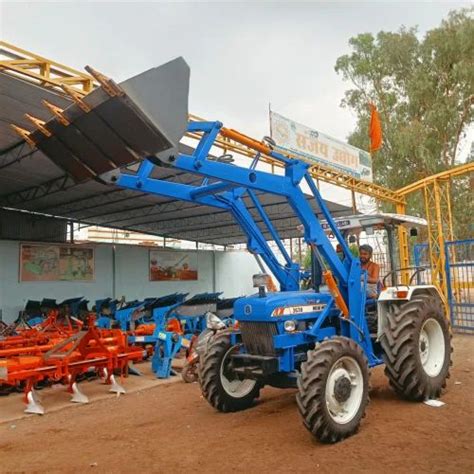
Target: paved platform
<point x="56" y="397"/>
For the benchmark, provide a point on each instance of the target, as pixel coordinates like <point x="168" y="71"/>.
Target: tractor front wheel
<point x="189" y="372"/>
<point x="219" y="386"/>
<point x="417" y="348"/>
<point x="333" y="389"/>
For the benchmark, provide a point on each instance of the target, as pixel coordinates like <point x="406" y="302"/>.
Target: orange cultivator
<point x="103" y="351"/>
<point x="39" y="338"/>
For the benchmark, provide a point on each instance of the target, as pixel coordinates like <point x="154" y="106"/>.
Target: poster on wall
<point x="39" y="262"/>
<point x="317" y="147"/>
<point x="173" y="266"/>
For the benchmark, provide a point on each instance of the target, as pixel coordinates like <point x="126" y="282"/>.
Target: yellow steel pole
<point x="403" y="245"/>
<point x="449" y="210"/>
<point x="440" y="231"/>
<point x="437" y="256"/>
<point x="429" y="219"/>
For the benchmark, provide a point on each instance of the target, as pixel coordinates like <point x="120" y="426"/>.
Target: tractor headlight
<point x="289" y="325"/>
<point x="213" y="322"/>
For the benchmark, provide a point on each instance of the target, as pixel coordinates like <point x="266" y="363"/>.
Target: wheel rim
<point x="234" y="387"/>
<point x="344" y="390"/>
<point x="431" y="347"/>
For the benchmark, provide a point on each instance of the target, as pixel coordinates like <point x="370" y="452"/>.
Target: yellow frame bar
<point x="45" y="72"/>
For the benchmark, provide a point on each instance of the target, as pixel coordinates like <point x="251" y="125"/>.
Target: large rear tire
<point x="333" y="389"/>
<point x="417" y="348"/>
<point x="219" y="387"/>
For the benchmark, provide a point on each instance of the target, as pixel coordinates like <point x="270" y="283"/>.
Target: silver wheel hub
<point x="431" y="347"/>
<point x="344" y="390"/>
<point x="234" y="386"/>
<point x="424" y="347"/>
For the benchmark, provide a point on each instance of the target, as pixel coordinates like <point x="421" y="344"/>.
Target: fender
<point x="391" y="294"/>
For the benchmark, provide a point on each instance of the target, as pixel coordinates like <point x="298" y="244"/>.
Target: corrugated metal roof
<point x="30" y="181"/>
<point x="16" y="225"/>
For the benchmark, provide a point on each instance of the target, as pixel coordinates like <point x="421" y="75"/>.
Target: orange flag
<point x="375" y="129"/>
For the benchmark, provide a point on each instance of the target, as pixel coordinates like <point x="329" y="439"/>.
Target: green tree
<point x="424" y="91"/>
<point x="463" y="203"/>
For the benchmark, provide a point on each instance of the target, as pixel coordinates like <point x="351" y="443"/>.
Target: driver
<point x="372" y="268"/>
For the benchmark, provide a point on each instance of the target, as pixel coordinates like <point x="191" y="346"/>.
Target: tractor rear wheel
<point x="222" y="389"/>
<point x="417" y="348"/>
<point x="333" y="389"/>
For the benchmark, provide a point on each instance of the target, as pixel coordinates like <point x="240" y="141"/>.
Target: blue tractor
<point x="317" y="340"/>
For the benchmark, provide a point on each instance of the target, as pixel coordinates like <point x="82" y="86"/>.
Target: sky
<point x="243" y="56"/>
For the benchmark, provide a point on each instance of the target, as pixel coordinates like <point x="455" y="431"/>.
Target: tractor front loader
<point x="317" y="340"/>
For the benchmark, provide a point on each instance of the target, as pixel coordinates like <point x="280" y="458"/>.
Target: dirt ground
<point x="170" y="428"/>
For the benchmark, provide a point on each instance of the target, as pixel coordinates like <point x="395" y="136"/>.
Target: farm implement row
<point x="54" y="356"/>
<point x="64" y="343"/>
<point x="165" y="325"/>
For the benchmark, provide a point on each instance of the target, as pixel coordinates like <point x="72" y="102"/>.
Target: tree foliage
<point x="423" y="88"/>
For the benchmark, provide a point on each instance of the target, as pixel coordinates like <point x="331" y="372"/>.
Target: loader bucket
<point x="116" y="125"/>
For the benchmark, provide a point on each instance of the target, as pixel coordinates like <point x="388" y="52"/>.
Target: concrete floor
<point x="56" y="398"/>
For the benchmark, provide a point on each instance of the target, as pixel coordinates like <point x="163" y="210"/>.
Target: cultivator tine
<point x="133" y="370"/>
<point x="77" y="395"/>
<point x="116" y="387"/>
<point x="104" y="376"/>
<point x="33" y="404"/>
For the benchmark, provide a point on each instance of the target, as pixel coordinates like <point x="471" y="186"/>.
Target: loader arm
<point x="143" y="120"/>
<point x="231" y="184"/>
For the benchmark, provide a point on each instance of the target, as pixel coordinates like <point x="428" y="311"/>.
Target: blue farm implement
<point x="173" y="323"/>
<point x="191" y="313"/>
<point x="317" y="340"/>
<point x="165" y="324"/>
<point x="105" y="310"/>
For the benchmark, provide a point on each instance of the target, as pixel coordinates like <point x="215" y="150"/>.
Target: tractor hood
<point x="275" y="306"/>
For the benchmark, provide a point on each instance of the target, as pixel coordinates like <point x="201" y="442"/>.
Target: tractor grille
<point x="258" y="337"/>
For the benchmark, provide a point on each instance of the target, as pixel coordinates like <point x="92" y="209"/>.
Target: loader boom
<point x="231" y="183"/>
<point x="225" y="185"/>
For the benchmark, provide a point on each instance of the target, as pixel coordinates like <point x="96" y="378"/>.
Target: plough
<point x="105" y="310"/>
<point x="35" y="313"/>
<point x="89" y="349"/>
<point x="165" y="324"/>
<point x="174" y="321"/>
